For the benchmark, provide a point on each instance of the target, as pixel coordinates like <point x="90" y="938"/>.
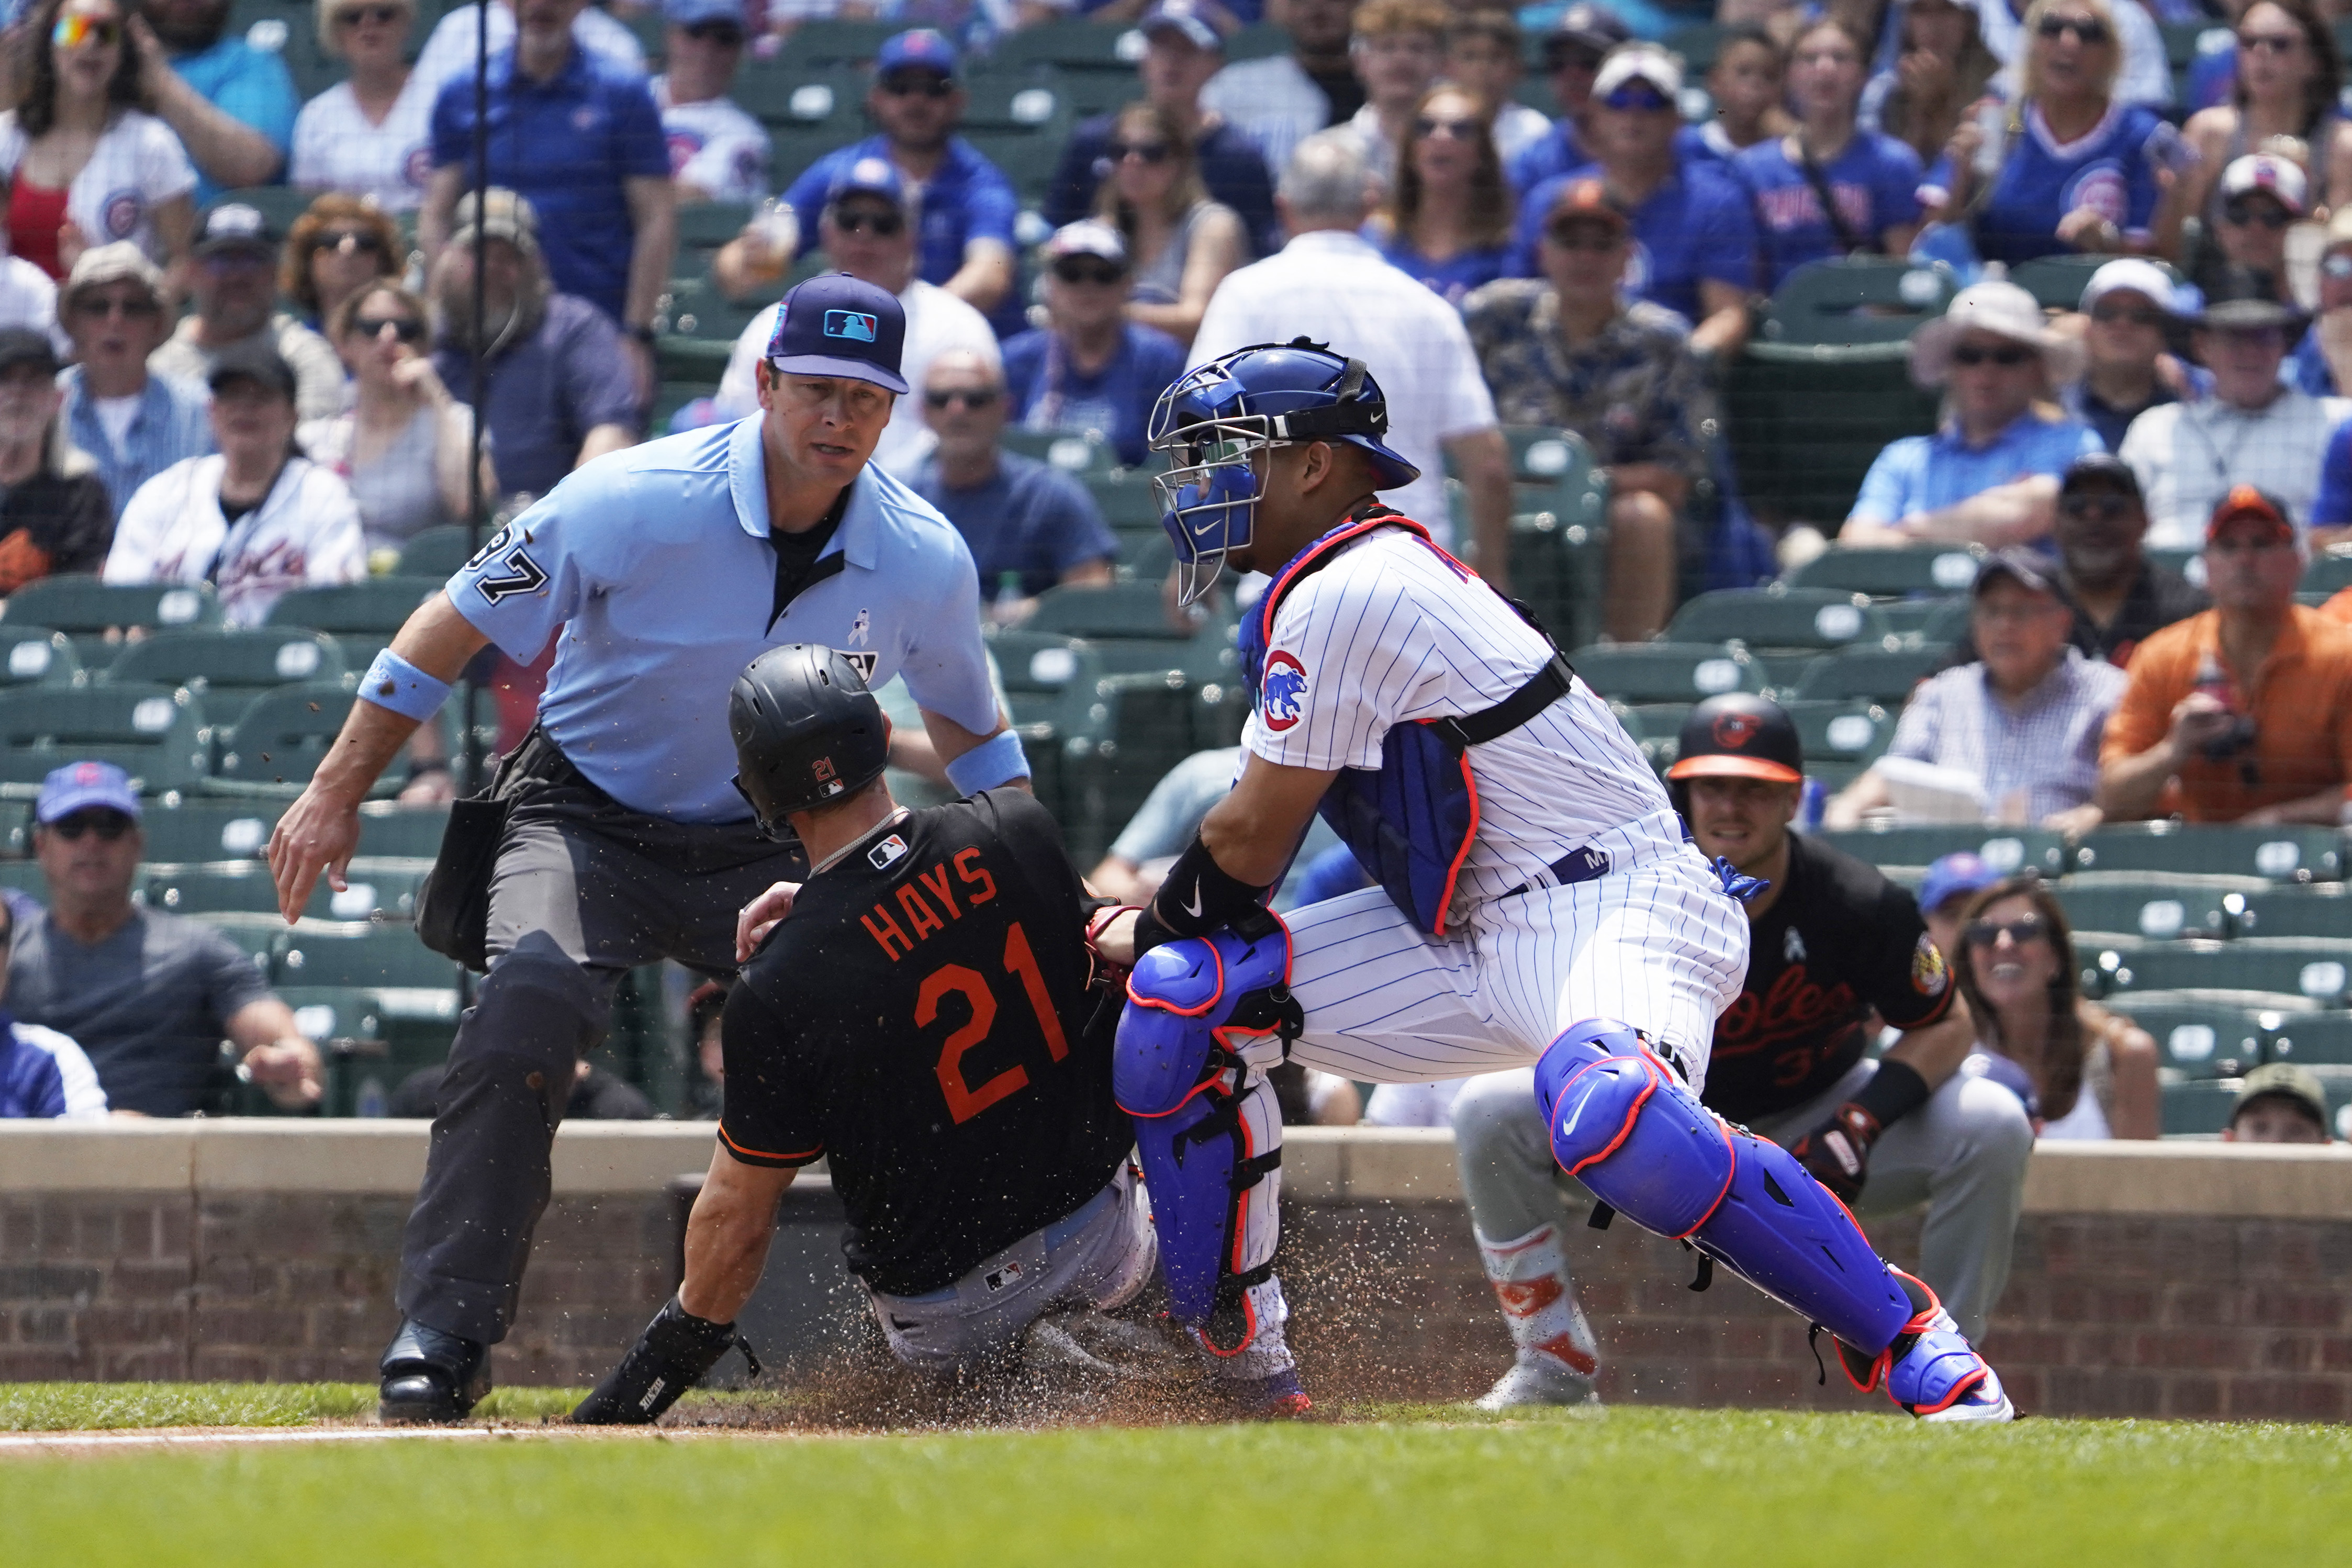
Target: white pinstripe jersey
<point x="1387" y="633"/>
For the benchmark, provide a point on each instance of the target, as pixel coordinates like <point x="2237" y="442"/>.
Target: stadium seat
<point x="229" y="667"/>
<point x="85" y="609"/>
<point x="156" y="734"/>
<point x="2205" y="1040"/>
<point x="192" y="831"/>
<point x="1552" y="471"/>
<point x="839" y="41"/>
<point x="281" y="204"/>
<point x="1912" y="849"/>
<point x="438" y="552"/>
<point x="1841" y="732"/>
<point x="246" y="888"/>
<point x="1082" y="42"/>
<point x="2057" y="281"/>
<point x="2318" y="909"/>
<point x="2328" y="574"/>
<point x="25" y="877"/>
<point x="1667" y="672"/>
<point x="1860" y="300"/>
<point x="792" y="90"/>
<point x="702" y="325"/>
<point x="1559" y="570"/>
<point x="1128" y="625"/>
<point x="37" y="655"/>
<point x="2198" y="1108"/>
<point x="1082" y="457"/>
<point x="1783" y="628"/>
<point x="1127" y="500"/>
<point x="1890" y="573"/>
<point x="361" y="617"/>
<point x="350" y="1029"/>
<point x="2261" y="854"/>
<point x="703" y="227"/>
<point x="391" y="831"/>
<point x="1885" y="675"/>
<point x="373" y="958"/>
<point x="1805" y="421"/>
<point x="2262" y="973"/>
<point x="2314" y="1039"/>
<point x="282" y="737"/>
<point x="2157" y="908"/>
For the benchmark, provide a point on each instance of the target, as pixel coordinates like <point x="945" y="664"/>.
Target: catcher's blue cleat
<point x="1931" y="1370"/>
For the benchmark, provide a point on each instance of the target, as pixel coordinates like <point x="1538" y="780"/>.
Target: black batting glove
<point x="671" y="1356"/>
<point x="1838" y="1152"/>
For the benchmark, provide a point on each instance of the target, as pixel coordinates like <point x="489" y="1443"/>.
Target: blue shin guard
<point x="1624" y="1124"/>
<point x="1206" y="1127"/>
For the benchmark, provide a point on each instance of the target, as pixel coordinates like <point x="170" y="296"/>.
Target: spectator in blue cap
<point x="1951" y="881"/>
<point x="1090" y="369"/>
<point x="1578" y="42"/>
<point x="717" y="153"/>
<point x="868" y="228"/>
<point x="582" y="140"/>
<point x="149" y="995"/>
<point x="966" y="246"/>
<point x="1182" y="51"/>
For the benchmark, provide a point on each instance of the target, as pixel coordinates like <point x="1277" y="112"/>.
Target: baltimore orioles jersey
<point x="1390" y="631"/>
<point x="923" y="1020"/>
<point x="1839" y="943"/>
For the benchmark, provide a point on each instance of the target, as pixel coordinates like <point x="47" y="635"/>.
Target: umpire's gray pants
<point x="585" y="891"/>
<point x="1962" y="1154"/>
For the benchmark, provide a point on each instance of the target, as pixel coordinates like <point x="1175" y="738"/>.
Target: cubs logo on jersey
<point x="1285" y="697"/>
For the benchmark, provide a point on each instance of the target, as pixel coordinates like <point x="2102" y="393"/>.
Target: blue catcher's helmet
<point x="1217" y="417"/>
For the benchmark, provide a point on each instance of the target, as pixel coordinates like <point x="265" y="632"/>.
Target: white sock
<point x="1531" y="1283"/>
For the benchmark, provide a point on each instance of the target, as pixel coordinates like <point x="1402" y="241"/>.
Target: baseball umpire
<point x="1538" y="901"/>
<point x="950" y="1061"/>
<point x="613" y="835"/>
<point x="1835" y="948"/>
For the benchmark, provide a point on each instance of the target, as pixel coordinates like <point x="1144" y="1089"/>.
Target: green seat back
<point x="2268" y="854"/>
<point x="155" y="733"/>
<point x="2205" y="1039"/>
<point x="2057" y="282"/>
<point x="1857" y="299"/>
<point x="1888" y="573"/>
<point x="37" y="655"/>
<point x="284" y="734"/>
<point x="83" y="606"/>
<point x="1885" y="675"/>
<point x="2156" y="909"/>
<point x="229" y="666"/>
<point x="1780" y="618"/>
<point x="438" y="552"/>
<point x="1667" y="672"/>
<point x="1910" y="849"/>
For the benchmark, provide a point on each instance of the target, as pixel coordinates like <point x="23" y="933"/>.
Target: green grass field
<point x="1652" y="1487"/>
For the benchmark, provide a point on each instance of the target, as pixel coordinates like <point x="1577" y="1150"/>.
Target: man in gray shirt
<point x="149" y="997"/>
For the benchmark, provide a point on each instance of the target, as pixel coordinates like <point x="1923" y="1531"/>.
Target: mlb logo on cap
<point x="854" y="324"/>
<point x="836" y="325"/>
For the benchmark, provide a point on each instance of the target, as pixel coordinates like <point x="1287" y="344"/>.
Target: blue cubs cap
<point x="694" y="13"/>
<point x="77" y="786"/>
<point x="917" y="48"/>
<point x="872" y="177"/>
<point x="837" y="325"/>
<point x="1953" y="876"/>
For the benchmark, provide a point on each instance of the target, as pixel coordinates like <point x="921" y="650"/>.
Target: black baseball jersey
<point x="923" y="1021"/>
<point x="1840" y="943"/>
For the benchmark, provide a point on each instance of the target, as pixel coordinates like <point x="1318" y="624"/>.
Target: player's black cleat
<point x="431" y="1378"/>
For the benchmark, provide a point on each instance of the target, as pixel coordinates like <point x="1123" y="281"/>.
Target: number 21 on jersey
<point x="966" y="1100"/>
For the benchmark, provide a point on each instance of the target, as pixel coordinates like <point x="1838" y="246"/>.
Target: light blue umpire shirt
<point x="653" y="567"/>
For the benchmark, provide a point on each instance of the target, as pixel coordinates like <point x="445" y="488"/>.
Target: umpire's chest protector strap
<point x="1410" y="822"/>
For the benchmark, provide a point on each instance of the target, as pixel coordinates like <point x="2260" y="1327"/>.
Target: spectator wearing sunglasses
<point x="43" y="1074"/>
<point x="1280" y="100"/>
<point x="2143" y="71"/>
<point x="2284" y="75"/>
<point x="2242" y="713"/>
<point x="149" y="995"/>
<point x="2076" y="165"/>
<point x="1989" y="474"/>
<point x="717" y="153"/>
<point x="2322" y="362"/>
<point x="966" y="244"/>
<point x="370" y="134"/>
<point x="1448" y="219"/>
<point x="2259" y="198"/>
<point x="1484" y="54"/>
<point x="1572" y="54"/>
<point x="132" y="421"/>
<point x="1090" y="368"/>
<point x="1180" y="243"/>
<point x="581" y="140"/>
<point x="869" y="228"/>
<point x="2249" y="429"/>
<point x="402" y="447"/>
<point x="2021" y="722"/>
<point x="2129" y="319"/>
<point x="1182" y="50"/>
<point x="87" y="165"/>
<point x="2120" y="596"/>
<point x="1567" y="350"/>
<point x="54" y="512"/>
<point x="340" y="245"/>
<point x="235" y="287"/>
<point x="2091" y="1072"/>
<point x="1397" y="47"/>
<point x="1029" y="525"/>
<point x="1693" y="236"/>
<point x="1829" y="188"/>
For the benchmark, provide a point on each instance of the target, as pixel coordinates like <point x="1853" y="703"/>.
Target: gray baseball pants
<point x="1962" y="1154"/>
<point x="585" y="891"/>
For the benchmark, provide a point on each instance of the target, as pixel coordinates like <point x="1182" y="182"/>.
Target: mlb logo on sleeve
<point x="1285" y="690"/>
<point x="857" y="326"/>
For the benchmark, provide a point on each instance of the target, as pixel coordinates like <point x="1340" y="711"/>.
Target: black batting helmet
<point x="806" y="732"/>
<point x="1738" y="735"/>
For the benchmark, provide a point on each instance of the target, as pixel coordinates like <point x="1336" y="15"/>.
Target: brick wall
<point x="2106" y="1314"/>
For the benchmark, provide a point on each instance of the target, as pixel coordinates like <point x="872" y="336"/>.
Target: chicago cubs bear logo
<point x="1734" y="731"/>
<point x="1286" y="691"/>
<point x="120" y="214"/>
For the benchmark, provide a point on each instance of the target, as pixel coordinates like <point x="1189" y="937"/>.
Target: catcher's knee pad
<point x="1207" y="1129"/>
<point x="1623" y="1123"/>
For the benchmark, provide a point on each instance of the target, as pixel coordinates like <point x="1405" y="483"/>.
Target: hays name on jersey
<point x="922" y="900"/>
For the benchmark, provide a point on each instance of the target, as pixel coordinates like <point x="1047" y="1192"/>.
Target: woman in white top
<point x="254" y="520"/>
<point x="402" y="447"/>
<point x="1180" y="243"/>
<point x="90" y="168"/>
<point x="370" y="134"/>
<point x="2094" y="1071"/>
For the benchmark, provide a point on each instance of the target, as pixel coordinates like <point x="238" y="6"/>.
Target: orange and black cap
<point x="1740" y="735"/>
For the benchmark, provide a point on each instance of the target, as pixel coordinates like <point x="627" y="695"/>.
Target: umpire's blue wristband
<point x="996" y="761"/>
<point x="394" y="683"/>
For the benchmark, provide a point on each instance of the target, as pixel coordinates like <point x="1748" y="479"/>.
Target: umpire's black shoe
<point x="431" y="1378"/>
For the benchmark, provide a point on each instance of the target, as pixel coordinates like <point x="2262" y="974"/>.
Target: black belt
<point x="1581" y="864"/>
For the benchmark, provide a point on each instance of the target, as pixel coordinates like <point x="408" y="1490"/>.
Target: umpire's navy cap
<point x="836" y="325"/>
